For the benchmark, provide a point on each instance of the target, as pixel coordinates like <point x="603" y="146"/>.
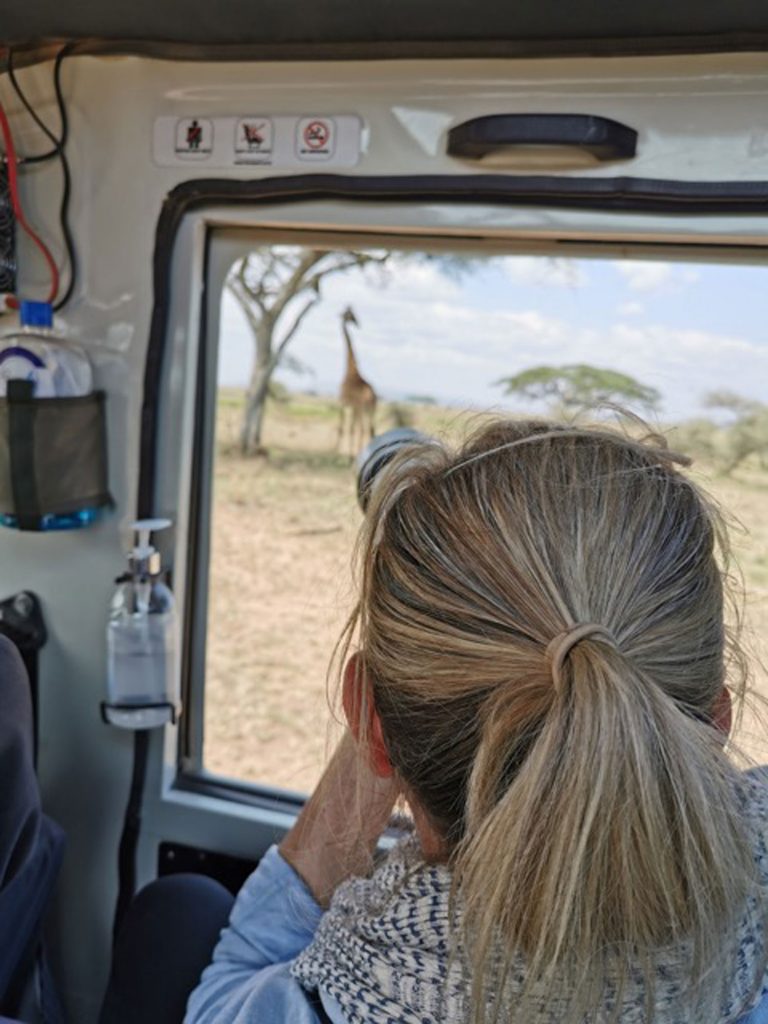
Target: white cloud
<point x="411" y="281"/>
<point x="424" y="334"/>
<point x="645" y="277"/>
<point x="551" y="270"/>
<point x="642" y="276"/>
<point x="630" y="309"/>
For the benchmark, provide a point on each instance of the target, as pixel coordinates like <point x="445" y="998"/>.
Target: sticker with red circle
<point x="315" y="138"/>
<point x="259" y="139"/>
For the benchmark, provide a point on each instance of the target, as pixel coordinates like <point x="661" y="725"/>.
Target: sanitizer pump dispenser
<point x="143" y="684"/>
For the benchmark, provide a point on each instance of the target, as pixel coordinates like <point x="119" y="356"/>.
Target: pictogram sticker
<point x="316" y="135"/>
<point x="253" y="140"/>
<point x="315" y="138"/>
<point x="194" y="137"/>
<point x="258" y="140"/>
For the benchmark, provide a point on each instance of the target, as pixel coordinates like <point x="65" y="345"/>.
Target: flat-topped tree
<point x="579" y="386"/>
<point x="746" y="433"/>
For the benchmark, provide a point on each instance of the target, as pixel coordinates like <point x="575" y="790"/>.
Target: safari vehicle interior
<point x="268" y="231"/>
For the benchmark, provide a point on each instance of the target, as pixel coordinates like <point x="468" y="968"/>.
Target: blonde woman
<point x="541" y="673"/>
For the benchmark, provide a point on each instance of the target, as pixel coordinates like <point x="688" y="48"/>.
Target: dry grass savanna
<point x="280" y="587"/>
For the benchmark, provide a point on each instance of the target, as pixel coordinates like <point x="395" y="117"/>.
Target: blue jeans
<point x="164" y="944"/>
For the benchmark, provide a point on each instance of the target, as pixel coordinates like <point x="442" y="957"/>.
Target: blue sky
<point x="683" y="328"/>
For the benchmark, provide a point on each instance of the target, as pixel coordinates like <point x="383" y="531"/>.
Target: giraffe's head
<point x="348" y="317"/>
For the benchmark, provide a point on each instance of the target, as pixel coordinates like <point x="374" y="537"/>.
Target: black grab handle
<point x="604" y="138"/>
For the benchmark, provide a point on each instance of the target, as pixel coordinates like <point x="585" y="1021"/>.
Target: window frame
<point x="183" y="351"/>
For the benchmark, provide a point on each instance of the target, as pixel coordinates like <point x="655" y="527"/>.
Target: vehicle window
<point x="435" y="341"/>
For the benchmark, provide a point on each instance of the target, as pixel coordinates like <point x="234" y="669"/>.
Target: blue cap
<point x="35" y="314"/>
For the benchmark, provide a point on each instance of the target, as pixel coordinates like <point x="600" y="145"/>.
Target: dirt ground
<point x="281" y="588"/>
<point x="282" y="538"/>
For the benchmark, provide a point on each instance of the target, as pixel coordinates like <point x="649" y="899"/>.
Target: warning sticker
<point x="194" y="138"/>
<point x="253" y="140"/>
<point x="315" y="138"/>
<point x="271" y="141"/>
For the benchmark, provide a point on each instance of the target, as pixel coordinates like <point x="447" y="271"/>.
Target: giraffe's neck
<point x="352" y="369"/>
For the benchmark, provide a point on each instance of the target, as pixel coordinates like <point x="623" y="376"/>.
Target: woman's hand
<point x="336" y="833"/>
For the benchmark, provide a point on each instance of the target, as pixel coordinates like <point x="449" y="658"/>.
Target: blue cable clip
<point x="35" y="314"/>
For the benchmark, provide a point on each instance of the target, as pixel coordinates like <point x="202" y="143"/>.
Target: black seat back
<point x="31" y="845"/>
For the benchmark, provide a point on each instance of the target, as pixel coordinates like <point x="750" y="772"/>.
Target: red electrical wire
<point x="13" y="186"/>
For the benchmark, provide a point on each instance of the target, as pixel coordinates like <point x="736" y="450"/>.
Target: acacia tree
<point x="276" y="287"/>
<point x="746" y="434"/>
<point x="579" y="385"/>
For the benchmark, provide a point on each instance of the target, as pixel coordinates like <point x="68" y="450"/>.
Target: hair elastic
<point x="559" y="647"/>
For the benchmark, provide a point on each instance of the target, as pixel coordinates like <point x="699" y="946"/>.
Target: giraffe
<point x="356" y="394"/>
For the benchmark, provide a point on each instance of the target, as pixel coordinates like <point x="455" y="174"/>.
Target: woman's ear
<point x="722" y="712"/>
<point x="352" y="695"/>
<point x="362" y="718"/>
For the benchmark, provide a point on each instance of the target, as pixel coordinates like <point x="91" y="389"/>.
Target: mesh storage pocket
<point x="53" y="455"/>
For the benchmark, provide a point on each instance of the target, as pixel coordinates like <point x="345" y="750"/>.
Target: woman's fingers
<point x="336" y="833"/>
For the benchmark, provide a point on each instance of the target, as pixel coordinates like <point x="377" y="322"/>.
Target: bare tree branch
<point x="245" y="299"/>
<point x="254" y="293"/>
<point x="295" y="283"/>
<point x="292" y="330"/>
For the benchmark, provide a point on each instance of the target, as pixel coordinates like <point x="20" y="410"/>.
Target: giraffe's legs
<point x="355" y="428"/>
<point x="366" y="427"/>
<point x="354" y="432"/>
<point x="340" y="433"/>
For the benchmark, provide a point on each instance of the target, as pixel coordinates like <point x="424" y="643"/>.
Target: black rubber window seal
<point x="625" y="194"/>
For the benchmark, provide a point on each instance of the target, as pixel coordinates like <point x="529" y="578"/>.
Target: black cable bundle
<point x="59" y="147"/>
<point x="7" y="237"/>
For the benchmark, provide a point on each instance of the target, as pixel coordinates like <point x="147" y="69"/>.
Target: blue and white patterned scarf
<point x="383" y="950"/>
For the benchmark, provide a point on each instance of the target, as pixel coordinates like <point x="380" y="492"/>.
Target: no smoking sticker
<point x="315" y="138"/>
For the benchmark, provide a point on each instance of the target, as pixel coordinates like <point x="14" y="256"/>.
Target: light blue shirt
<point x="274" y="918"/>
<point x="760" y="1013"/>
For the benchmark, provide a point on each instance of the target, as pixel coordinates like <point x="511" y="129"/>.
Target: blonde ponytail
<point x="542" y="620"/>
<point x="620" y="832"/>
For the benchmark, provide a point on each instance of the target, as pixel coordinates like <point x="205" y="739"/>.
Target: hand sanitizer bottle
<point x="143" y="685"/>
